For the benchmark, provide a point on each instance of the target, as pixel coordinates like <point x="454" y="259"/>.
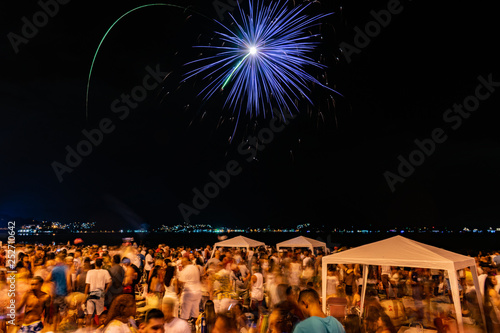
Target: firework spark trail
<point x="111" y="27"/>
<point x="269" y="48"/>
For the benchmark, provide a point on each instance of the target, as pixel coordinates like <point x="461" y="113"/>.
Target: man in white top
<point x="256" y="290"/>
<point x="173" y="324"/>
<point x="149" y="262"/>
<point x="307" y="261"/>
<point x="97" y="282"/>
<point x="189" y="279"/>
<point x="135" y="259"/>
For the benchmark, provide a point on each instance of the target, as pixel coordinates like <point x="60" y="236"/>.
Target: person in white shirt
<point x="189" y="279"/>
<point x="307" y="261"/>
<point x="97" y="282"/>
<point x="149" y="262"/>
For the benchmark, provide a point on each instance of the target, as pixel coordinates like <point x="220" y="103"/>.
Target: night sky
<point x="327" y="167"/>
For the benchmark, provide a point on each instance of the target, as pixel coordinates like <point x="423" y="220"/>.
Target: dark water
<point x="467" y="243"/>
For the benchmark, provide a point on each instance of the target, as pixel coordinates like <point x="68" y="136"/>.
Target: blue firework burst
<point x="263" y="63"/>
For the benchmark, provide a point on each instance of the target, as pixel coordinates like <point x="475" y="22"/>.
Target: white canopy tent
<point x="238" y="241"/>
<point x="302" y="241"/>
<point x="404" y="252"/>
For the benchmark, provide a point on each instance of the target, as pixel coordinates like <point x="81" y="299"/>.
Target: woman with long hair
<point x="120" y="315"/>
<point x="352" y="324"/>
<point x="210" y="316"/>
<point x="377" y="321"/>
<point x="170" y="283"/>
<point x="155" y="283"/>
<point x="491" y="305"/>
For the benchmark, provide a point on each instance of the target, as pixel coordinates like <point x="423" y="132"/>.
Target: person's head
<point x="102" y="317"/>
<point x="60" y="257"/>
<point x="352" y="324"/>
<point x="69" y="261"/>
<point x="292" y="293"/>
<point x="153" y="322"/>
<point x="493" y="279"/>
<point x="98" y="263"/>
<point x="116" y="259"/>
<point x="308" y="301"/>
<point x="237" y="309"/>
<point x="126" y="262"/>
<point x="235" y="268"/>
<point x="224" y="324"/>
<point x="168" y="307"/>
<point x="36" y="283"/>
<point x="385" y="321"/>
<point x="39" y="253"/>
<point x="185" y="262"/>
<point x="123" y="306"/>
<point x="280" y="321"/>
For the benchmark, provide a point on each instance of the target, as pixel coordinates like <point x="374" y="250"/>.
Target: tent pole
<point x="363" y="293"/>
<point x="456" y="298"/>
<point x="323" y="284"/>
<point x="473" y="270"/>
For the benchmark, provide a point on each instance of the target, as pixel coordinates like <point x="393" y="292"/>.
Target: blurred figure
<point x="130" y="277"/>
<point x="292" y="296"/>
<point x="149" y="262"/>
<point x="170" y="283"/>
<point x="209" y="314"/>
<point x="224" y="324"/>
<point x="281" y="320"/>
<point x="37" y="303"/>
<point x="377" y="320"/>
<point x="117" y="274"/>
<point x="173" y="324"/>
<point x="352" y="324"/>
<point x="239" y="279"/>
<point x="491" y="305"/>
<point x="120" y="315"/>
<point x="189" y="279"/>
<point x="98" y="282"/>
<point x="61" y="277"/>
<point x="239" y="317"/>
<point x="256" y="290"/>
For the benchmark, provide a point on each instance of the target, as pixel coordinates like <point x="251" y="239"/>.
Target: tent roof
<point x="301" y="241"/>
<point x="239" y="241"/>
<point x="401" y="251"/>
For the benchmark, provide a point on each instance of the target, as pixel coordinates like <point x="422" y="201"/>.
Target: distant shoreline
<point x="467" y="243"/>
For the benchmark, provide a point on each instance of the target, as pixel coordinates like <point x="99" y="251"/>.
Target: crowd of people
<point x="128" y="289"/>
